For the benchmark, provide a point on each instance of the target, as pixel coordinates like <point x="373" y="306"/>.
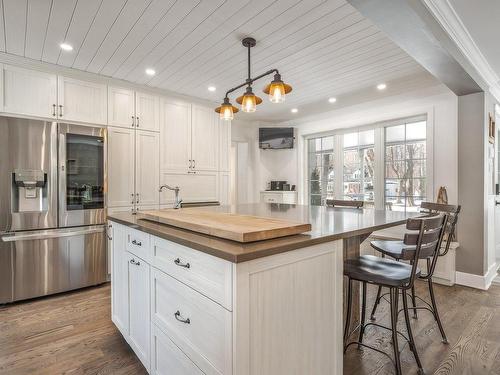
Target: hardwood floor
<point x="72" y="333"/>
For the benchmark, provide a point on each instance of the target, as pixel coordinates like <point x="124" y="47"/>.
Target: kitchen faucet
<point x="177" y="202"/>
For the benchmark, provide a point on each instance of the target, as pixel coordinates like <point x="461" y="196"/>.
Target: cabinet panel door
<point x="29" y="92"/>
<point x="147" y="111"/>
<point x="139" y="309"/>
<point x="225" y="188"/>
<point x="82" y="101"/>
<point x="175" y="125"/>
<point x="120" y="167"/>
<point x="194" y="187"/>
<point x="224" y="146"/>
<point x="205" y="139"/>
<point x="120" y="107"/>
<point x="147" y="180"/>
<point x="119" y="280"/>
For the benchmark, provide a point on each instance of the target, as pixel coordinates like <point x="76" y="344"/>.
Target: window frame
<point x="379" y="147"/>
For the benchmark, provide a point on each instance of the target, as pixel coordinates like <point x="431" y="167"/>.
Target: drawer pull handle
<point x="179" y="318"/>
<point x="137" y="243"/>
<point x="178" y="263"/>
<point x="134" y="262"/>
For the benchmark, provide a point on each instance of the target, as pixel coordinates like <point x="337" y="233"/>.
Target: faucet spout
<point x="177" y="201"/>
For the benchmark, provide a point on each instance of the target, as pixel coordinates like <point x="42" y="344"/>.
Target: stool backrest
<point x="452" y="211"/>
<point x="344" y="203"/>
<point x="424" y="242"/>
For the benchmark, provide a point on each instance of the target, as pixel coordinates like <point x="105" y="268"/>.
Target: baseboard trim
<point x="477" y="281"/>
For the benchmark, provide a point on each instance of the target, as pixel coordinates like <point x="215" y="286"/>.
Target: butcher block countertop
<point x="327" y="224"/>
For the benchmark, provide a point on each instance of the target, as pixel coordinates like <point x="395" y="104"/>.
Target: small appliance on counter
<point x="278" y="185"/>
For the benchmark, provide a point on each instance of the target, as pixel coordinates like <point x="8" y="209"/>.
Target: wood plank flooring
<point x="72" y="333"/>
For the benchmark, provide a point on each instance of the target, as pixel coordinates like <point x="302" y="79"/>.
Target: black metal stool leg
<point x="348" y="317"/>
<point x="435" y="311"/>
<point x="414" y="302"/>
<point x="375" y="304"/>
<point x="363" y="313"/>
<point x="394" y="294"/>
<point x="413" y="347"/>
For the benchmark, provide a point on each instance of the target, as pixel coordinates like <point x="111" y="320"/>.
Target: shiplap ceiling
<point x="322" y="48"/>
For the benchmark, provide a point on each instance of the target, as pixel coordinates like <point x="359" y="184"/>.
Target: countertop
<point x="328" y="224"/>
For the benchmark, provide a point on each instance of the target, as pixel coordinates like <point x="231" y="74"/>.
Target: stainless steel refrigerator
<point x="52" y="207"/>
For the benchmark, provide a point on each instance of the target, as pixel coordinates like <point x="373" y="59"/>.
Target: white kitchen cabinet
<point x="204" y="139"/>
<point x="147" y="171"/>
<point x="29" y="92"/>
<point x="121" y="107"/>
<point x="175" y="154"/>
<point x="224" y="146"/>
<point x="121" y="167"/>
<point x="147" y="111"/>
<point x="133" y="109"/>
<point x="139" y="308"/>
<point x="81" y="101"/>
<point x="194" y="187"/>
<point x="119" y="279"/>
<point x="278" y="196"/>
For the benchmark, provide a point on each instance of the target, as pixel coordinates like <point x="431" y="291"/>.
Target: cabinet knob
<point x="180" y="319"/>
<point x="60" y="110"/>
<point x="137" y="121"/>
<point x="54" y="110"/>
<point x="133" y="122"/>
<point x="136" y="243"/>
<point x="134" y="262"/>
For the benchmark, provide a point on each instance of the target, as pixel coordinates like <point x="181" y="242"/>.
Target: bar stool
<point x="394" y="250"/>
<point x="399" y="277"/>
<point x="344" y="203"/>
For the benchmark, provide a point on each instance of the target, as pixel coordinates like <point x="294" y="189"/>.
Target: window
<point x="405" y="166"/>
<point x="359" y="166"/>
<point x="320" y="170"/>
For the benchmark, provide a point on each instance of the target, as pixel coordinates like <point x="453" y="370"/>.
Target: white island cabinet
<point x="185" y="312"/>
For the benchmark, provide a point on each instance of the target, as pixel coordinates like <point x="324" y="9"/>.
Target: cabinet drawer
<point x="209" y="275"/>
<point x="271" y="198"/>
<point x="200" y="327"/>
<point x="139" y="244"/>
<point x="167" y="358"/>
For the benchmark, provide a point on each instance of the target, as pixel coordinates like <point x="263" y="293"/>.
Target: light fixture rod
<point x="249" y="81"/>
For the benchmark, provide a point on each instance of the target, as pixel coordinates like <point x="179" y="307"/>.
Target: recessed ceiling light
<point x="332" y="100"/>
<point x="381" y="86"/>
<point x="66" y="47"/>
<point x="211" y="88"/>
<point x="294" y="110"/>
<point x="150" y="72"/>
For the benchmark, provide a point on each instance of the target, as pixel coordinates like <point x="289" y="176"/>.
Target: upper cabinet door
<point x="224" y="145"/>
<point x="120" y="167"/>
<point x="147" y="111"/>
<point x="29" y="92"/>
<point x="205" y="139"/>
<point x="147" y="179"/>
<point x="175" y="136"/>
<point x="121" y="107"/>
<point x="82" y="101"/>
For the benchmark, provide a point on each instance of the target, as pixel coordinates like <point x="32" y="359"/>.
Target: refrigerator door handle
<point x="54" y="233"/>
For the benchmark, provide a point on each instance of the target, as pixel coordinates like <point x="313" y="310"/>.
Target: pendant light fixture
<point x="276" y="90"/>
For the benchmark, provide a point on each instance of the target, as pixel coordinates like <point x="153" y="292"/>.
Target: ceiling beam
<point x="410" y="25"/>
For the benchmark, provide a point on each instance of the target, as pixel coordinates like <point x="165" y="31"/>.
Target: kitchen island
<point x="191" y="303"/>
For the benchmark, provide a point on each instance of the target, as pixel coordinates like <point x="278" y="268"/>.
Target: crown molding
<point x="448" y="18"/>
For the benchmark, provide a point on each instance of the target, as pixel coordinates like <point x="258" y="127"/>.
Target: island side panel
<point x="287" y="314"/>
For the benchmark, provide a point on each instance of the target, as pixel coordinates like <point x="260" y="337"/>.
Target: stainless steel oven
<point x="82" y="175"/>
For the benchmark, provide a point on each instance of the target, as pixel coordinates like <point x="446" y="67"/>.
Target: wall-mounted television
<point x="275" y="138"/>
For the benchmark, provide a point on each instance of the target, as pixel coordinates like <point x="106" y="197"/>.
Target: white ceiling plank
<point x="153" y="14"/>
<point x="15" y="25"/>
<point x="59" y="21"/>
<point x="131" y="13"/>
<point x="36" y="27"/>
<point x="81" y="23"/>
<point x="222" y="22"/>
<point x="293" y="37"/>
<point x="162" y="29"/>
<point x="106" y="16"/>
<point x="274" y="19"/>
<point x="195" y="20"/>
